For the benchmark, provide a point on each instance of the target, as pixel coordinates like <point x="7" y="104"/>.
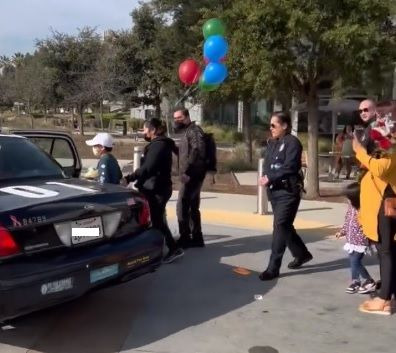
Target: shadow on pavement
<point x="260" y="349"/>
<point x="197" y="289"/>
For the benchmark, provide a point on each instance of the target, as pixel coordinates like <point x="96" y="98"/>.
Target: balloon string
<point x="191" y="89"/>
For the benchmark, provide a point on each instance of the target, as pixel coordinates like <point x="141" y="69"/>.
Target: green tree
<point x="72" y="60"/>
<point x="296" y="45"/>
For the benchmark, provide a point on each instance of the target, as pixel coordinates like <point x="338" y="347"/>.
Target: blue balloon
<point x="215" y="48"/>
<point x="215" y="73"/>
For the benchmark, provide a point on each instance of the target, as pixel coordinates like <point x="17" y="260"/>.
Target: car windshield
<point x="20" y="158"/>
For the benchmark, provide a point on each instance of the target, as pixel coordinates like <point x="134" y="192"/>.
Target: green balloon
<point x="206" y="87"/>
<point x="213" y="27"/>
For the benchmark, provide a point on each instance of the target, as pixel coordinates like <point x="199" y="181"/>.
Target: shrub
<point x="324" y="143"/>
<point x="223" y="134"/>
<point x="237" y="162"/>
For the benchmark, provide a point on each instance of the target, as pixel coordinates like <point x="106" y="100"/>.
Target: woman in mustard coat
<point x="377" y="184"/>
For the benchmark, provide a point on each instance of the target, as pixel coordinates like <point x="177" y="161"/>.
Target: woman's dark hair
<point x="345" y="128"/>
<point x="154" y="124"/>
<point x="352" y="192"/>
<point x="284" y="118"/>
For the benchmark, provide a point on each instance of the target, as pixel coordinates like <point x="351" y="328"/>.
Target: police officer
<point x="282" y="177"/>
<point x="153" y="180"/>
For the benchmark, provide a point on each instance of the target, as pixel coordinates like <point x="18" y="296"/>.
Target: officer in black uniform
<point x="283" y="179"/>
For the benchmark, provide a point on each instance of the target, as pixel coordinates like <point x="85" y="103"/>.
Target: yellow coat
<point x="381" y="172"/>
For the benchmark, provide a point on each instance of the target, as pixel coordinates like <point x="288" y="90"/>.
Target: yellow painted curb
<point x="245" y="220"/>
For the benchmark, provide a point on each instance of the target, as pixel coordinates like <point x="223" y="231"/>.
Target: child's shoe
<point x="368" y="286"/>
<point x="353" y="287"/>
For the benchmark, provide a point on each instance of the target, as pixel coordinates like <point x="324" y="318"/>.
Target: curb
<point x="246" y="220"/>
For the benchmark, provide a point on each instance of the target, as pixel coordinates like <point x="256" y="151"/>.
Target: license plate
<point x="103" y="272"/>
<point x="94" y="223"/>
<point x="57" y="286"/>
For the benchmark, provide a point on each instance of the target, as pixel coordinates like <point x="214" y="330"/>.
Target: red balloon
<point x="189" y="72"/>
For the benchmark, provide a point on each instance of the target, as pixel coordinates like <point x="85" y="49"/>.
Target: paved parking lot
<point x="199" y="305"/>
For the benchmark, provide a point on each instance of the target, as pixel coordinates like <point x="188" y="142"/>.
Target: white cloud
<point x="24" y="21"/>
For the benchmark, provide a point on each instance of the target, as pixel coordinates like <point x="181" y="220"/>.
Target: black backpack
<point x="210" y="153"/>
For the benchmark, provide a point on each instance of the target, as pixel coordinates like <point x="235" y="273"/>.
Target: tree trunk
<point x="101" y="115"/>
<point x="294" y="117"/>
<point x="247" y="133"/>
<point x="158" y="109"/>
<point x="31" y="115"/>
<point x="240" y="116"/>
<point x="286" y="103"/>
<point x="81" y="122"/>
<point x="313" y="170"/>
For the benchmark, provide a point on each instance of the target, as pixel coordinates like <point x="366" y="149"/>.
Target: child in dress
<point x="357" y="245"/>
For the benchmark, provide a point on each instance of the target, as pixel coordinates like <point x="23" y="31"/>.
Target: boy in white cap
<point x="108" y="169"/>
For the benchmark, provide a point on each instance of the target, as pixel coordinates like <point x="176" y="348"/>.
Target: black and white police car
<point x="61" y="236"/>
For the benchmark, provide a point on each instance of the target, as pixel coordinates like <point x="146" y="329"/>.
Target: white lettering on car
<point x="34" y="192"/>
<point x="31" y="192"/>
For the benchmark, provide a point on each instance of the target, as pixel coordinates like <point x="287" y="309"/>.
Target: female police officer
<point x="282" y="177"/>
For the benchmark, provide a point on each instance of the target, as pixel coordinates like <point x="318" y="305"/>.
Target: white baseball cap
<point x="103" y="138"/>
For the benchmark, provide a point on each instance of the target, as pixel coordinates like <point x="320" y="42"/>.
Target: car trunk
<point x="48" y="215"/>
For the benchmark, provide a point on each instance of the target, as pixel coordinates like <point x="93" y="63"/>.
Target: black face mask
<point x="147" y="138"/>
<point x="178" y="126"/>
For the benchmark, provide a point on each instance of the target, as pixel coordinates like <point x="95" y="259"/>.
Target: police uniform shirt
<point x="109" y="170"/>
<point x="283" y="158"/>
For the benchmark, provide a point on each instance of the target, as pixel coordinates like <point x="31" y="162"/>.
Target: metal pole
<point x="137" y="155"/>
<point x="262" y="199"/>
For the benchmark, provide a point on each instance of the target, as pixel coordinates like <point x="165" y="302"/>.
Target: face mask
<point x="147" y="138"/>
<point x="178" y="126"/>
<point x="96" y="151"/>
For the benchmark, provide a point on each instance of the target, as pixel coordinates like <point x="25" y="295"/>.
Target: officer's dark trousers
<point x="157" y="203"/>
<point x="285" y="205"/>
<point x="188" y="214"/>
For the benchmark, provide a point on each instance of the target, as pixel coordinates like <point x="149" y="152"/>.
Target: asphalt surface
<point x="200" y="305"/>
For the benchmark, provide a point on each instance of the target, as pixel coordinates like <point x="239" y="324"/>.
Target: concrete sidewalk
<point x="240" y="211"/>
<point x="250" y="179"/>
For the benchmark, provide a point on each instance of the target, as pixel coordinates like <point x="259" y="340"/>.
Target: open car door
<point x="59" y="145"/>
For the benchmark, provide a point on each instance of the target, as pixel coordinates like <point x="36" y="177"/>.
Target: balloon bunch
<point x="215" y="49"/>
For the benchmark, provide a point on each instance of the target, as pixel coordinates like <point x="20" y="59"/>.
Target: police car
<point x="61" y="236"/>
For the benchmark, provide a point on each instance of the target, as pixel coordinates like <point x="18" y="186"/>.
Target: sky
<point x="24" y="21"/>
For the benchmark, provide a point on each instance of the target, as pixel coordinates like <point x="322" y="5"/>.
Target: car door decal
<point x="31" y="192"/>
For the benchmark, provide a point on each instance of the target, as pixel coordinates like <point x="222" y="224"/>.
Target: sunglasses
<point x="364" y="110"/>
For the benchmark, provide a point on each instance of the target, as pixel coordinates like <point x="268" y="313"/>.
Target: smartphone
<point x="359" y="133"/>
